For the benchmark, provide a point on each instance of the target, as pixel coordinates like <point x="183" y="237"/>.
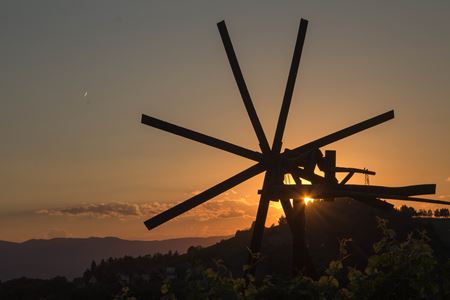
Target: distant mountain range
<point x="70" y="257"/>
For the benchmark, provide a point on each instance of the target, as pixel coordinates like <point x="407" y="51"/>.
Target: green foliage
<point x="124" y="295"/>
<point x="213" y="283"/>
<point x="397" y="270"/>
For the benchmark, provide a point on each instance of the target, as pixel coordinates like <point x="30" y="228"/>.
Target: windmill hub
<point x="273" y="161"/>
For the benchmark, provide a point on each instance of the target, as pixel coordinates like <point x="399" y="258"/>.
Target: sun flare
<point x="308" y="200"/>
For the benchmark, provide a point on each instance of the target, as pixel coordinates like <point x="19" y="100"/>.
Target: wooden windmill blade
<point x="341" y="134"/>
<point x="421" y="200"/>
<point x="290" y="84"/>
<point x="201" y="138"/>
<point x="260" y="221"/>
<point x="273" y="176"/>
<point x="204" y="196"/>
<point x="236" y="69"/>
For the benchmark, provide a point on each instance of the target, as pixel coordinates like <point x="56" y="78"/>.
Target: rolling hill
<point x="70" y="257"/>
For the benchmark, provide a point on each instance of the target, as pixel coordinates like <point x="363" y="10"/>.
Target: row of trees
<point x="439" y="213"/>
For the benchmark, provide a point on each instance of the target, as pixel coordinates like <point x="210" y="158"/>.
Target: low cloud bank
<point x="229" y="205"/>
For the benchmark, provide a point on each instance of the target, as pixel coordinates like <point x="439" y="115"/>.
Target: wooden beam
<point x="347" y="178"/>
<point x="422" y="200"/>
<point x="330" y="163"/>
<point x="338" y="135"/>
<point x="236" y="69"/>
<point x="330" y="190"/>
<point x="354" y="170"/>
<point x="420" y="189"/>
<point x="201" y="138"/>
<point x="289" y="90"/>
<point x="311" y="177"/>
<point x="260" y="221"/>
<point x="204" y="196"/>
<point x="288" y="213"/>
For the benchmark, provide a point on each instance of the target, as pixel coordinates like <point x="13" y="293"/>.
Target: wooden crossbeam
<point x="347" y="178"/>
<point x="354" y="170"/>
<point x="334" y="190"/>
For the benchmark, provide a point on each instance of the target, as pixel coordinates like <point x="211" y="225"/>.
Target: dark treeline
<point x="113" y="278"/>
<point x="438" y="213"/>
<point x="107" y="279"/>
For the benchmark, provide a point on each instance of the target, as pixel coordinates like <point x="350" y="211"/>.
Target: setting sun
<point x="308" y="200"/>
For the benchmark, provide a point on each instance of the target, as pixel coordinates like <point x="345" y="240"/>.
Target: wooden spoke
<point x="277" y="140"/>
<point x="243" y="87"/>
<point x="201" y="138"/>
<point x="204" y="196"/>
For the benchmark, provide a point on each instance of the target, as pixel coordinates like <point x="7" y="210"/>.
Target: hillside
<point x="70" y="257"/>
<point x="326" y="224"/>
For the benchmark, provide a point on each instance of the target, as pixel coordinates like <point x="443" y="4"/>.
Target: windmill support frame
<point x="299" y="162"/>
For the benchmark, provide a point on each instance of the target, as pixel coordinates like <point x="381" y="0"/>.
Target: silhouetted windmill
<point x="299" y="163"/>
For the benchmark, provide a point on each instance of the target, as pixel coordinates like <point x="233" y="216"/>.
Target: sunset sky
<point x="77" y="75"/>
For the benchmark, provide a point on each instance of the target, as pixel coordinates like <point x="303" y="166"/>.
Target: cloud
<point x="218" y="208"/>
<point x="230" y="205"/>
<point x="99" y="210"/>
<point x="221" y="207"/>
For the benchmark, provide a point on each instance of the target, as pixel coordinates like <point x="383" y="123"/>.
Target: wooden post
<point x="330" y="171"/>
<point x="301" y="260"/>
